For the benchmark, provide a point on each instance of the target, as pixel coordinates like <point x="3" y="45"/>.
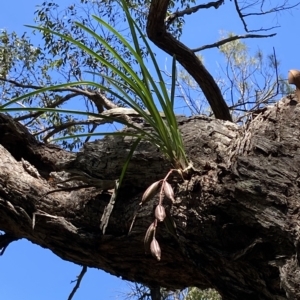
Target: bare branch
<point x="78" y="281"/>
<point x="232" y="38"/>
<point x="276" y="69"/>
<point x="52" y="105"/>
<point x="100" y="100"/>
<point x="237" y="8"/>
<point x="170" y="19"/>
<point x="275" y="9"/>
<point x="58" y="128"/>
<point x="127" y="114"/>
<point x="91" y="131"/>
<point x="37" y="87"/>
<point x="156" y="30"/>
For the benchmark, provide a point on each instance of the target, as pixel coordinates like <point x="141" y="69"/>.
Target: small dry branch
<point x="170" y="19"/>
<point x="232" y="38"/>
<point x="78" y="281"/>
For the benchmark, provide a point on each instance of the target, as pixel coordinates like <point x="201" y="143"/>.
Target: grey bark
<point x="237" y="218"/>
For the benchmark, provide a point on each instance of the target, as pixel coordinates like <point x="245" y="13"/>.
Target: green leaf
<point x="165" y="133"/>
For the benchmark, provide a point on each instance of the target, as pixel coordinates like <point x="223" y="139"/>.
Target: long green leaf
<point x="173" y="84"/>
<point x="165" y="132"/>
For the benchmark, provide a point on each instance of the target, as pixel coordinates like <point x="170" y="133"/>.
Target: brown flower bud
<point x="160" y="213"/>
<point x="151" y="191"/>
<point x="149" y="236"/>
<point x="155" y="249"/>
<point x="169" y="193"/>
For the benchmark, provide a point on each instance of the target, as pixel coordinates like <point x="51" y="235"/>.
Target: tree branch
<point x="156" y="30"/>
<point x="273" y="10"/>
<point x="237" y="8"/>
<point x="78" y="281"/>
<point x="170" y="19"/>
<point x="58" y="128"/>
<point x="37" y="87"/>
<point x="232" y="38"/>
<point x="100" y="100"/>
<point x="16" y="138"/>
<point x="56" y="103"/>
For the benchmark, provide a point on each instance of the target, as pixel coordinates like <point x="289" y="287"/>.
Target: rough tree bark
<point x="237" y="219"/>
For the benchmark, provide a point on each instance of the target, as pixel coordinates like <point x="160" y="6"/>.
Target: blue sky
<point x="31" y="272"/>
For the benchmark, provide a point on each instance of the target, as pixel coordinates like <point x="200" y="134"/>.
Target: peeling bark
<point x="237" y="218"/>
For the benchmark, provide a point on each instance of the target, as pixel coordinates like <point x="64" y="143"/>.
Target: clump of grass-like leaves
<point x="149" y="89"/>
<point x="165" y="132"/>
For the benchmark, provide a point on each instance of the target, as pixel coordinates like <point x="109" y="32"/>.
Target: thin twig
<point x="273" y="10"/>
<point x="58" y="128"/>
<point x="99" y="99"/>
<point x="37" y="87"/>
<point x="276" y="70"/>
<point x="237" y="8"/>
<point x="78" y="281"/>
<point x="232" y="38"/>
<point x="170" y="19"/>
<point x="54" y="104"/>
